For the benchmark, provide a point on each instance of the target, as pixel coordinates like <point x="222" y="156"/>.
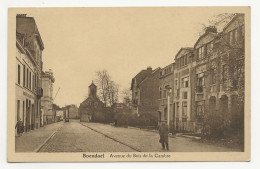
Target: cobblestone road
<point x="74" y="137"/>
<point x="95" y="137"/>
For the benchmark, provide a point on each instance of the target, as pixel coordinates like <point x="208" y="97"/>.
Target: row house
<point x="219" y="72"/>
<point x="183" y="82"/>
<point x="28" y="90"/>
<point x="145" y="92"/>
<point x="207" y="78"/>
<point x="166" y="88"/>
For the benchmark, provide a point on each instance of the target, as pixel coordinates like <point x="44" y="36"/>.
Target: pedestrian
<point x="20" y="127"/>
<point x="163" y="132"/>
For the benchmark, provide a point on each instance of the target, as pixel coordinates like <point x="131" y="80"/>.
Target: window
<point x="18" y="109"/>
<point x="27" y="78"/>
<point x="201" y="53"/>
<point x="184" y="109"/>
<point x="200" y="107"/>
<point x="200" y="82"/>
<point x="164" y="93"/>
<point x="184" y="95"/>
<point x="30" y="76"/>
<point x="160" y="89"/>
<point x="213" y="72"/>
<point x="176" y="84"/>
<point x="224" y="73"/>
<point x="177" y="109"/>
<point x="23" y="75"/>
<point x="19" y="74"/>
<point x="185" y="82"/>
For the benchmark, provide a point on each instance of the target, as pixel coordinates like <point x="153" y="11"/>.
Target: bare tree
<point x="126" y="96"/>
<point x="107" y="89"/>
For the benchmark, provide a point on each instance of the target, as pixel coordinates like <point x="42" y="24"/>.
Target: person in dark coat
<point x="163" y="132"/>
<point x="20" y="127"/>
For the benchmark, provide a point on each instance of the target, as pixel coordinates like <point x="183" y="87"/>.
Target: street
<point x="95" y="137"/>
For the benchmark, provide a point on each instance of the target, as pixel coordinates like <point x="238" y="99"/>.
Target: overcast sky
<point x="80" y="41"/>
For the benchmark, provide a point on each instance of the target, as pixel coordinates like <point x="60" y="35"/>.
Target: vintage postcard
<point x="128" y="84"/>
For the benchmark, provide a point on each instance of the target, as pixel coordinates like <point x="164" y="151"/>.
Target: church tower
<point x="92" y="90"/>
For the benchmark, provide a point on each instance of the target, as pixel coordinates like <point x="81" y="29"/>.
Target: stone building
<point x="28" y="87"/>
<point x="92" y="108"/>
<point x="219" y="72"/>
<point x="145" y="93"/>
<point x="166" y="90"/>
<point x="48" y="115"/>
<point x="185" y="63"/>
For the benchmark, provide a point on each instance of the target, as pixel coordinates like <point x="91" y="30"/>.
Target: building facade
<point x="207" y="80"/>
<point x="166" y="92"/>
<point x="145" y="92"/>
<point x="48" y="115"/>
<point x="92" y="109"/>
<point x="28" y="87"/>
<point x="184" y="60"/>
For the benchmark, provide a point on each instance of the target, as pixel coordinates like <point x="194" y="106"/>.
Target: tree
<point x="126" y="97"/>
<point x="107" y="89"/>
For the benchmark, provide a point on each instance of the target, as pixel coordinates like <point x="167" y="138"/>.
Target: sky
<point x="81" y="41"/>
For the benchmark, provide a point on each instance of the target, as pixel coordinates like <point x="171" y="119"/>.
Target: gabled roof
<point x="139" y="77"/>
<point x="190" y="49"/>
<point x="202" y="36"/>
<point x="233" y="19"/>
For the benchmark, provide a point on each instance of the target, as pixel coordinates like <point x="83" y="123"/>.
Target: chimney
<point x="21" y="15"/>
<point x="211" y="29"/>
<point x="149" y="68"/>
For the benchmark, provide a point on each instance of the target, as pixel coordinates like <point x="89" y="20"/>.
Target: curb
<point x="111" y="138"/>
<point x="52" y="135"/>
<point x="192" y="137"/>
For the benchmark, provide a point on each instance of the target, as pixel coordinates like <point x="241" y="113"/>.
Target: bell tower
<point x="92" y="90"/>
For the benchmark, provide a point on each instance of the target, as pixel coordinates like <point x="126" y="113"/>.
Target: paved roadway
<point x="94" y="137"/>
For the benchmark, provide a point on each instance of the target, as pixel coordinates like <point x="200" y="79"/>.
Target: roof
<point x="27" y="25"/>
<point x="236" y="16"/>
<point x="186" y="48"/>
<point x="202" y="36"/>
<point x="140" y="77"/>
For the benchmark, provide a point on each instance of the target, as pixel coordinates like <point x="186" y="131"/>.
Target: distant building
<point x="166" y="88"/>
<point x="145" y="93"/>
<point x="28" y="87"/>
<point x="74" y="111"/>
<point x="92" y="108"/>
<point x="48" y="115"/>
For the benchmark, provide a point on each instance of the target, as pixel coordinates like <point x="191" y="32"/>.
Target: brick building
<point x="28" y="87"/>
<point x="145" y="93"/>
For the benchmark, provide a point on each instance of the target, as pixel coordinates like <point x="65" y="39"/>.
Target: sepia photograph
<point x="129" y="84"/>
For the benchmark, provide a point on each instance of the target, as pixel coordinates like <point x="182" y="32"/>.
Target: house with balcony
<point x="219" y="72"/>
<point x="185" y="64"/>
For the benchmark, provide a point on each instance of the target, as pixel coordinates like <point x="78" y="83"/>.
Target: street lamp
<point x="168" y="104"/>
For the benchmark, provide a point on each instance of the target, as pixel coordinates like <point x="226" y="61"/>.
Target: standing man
<point x="20" y="127"/>
<point x="163" y="132"/>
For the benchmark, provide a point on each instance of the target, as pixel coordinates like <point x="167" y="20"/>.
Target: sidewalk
<point x="34" y="139"/>
<point x="146" y="141"/>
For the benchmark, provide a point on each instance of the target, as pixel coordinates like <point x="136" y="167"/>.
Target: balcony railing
<point x="199" y="89"/>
